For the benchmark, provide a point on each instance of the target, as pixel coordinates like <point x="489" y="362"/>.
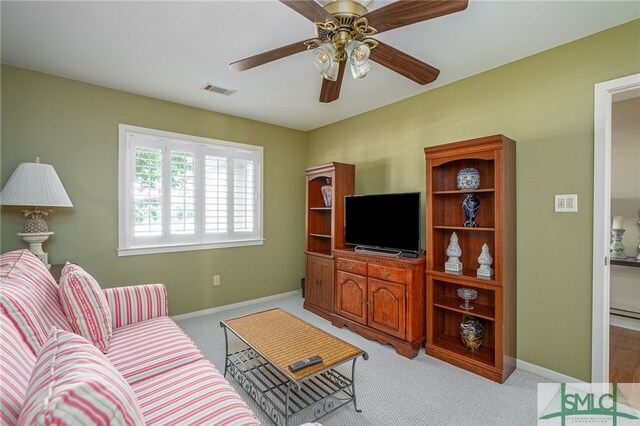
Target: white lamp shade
<point x="36" y="185"/>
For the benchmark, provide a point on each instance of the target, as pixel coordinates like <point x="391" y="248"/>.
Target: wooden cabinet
<point x="319" y="282"/>
<point x="495" y="305"/>
<point x="326" y="187"/>
<point x="386" y="302"/>
<point x="351" y="297"/>
<point x="382" y="298"/>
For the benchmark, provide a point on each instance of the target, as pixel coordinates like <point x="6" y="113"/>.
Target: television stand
<point x="379" y="251"/>
<point x="381" y="298"/>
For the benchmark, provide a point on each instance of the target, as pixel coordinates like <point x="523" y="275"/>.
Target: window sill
<point x="134" y="251"/>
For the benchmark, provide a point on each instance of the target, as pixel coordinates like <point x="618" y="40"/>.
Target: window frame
<point x="177" y="243"/>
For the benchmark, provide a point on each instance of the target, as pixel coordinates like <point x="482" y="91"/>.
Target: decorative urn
<point x="468" y="178"/>
<point x="471" y="333"/>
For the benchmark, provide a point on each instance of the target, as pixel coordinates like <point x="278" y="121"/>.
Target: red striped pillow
<point x="73" y="384"/>
<point x="85" y="306"/>
<point x="29" y="297"/>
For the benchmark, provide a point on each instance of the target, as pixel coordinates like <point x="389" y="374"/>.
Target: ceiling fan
<point x="343" y="38"/>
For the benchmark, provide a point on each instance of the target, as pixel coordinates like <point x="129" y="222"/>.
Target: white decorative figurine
<point x="485" y="260"/>
<point x="454" y="252"/>
<point x="617" y="248"/>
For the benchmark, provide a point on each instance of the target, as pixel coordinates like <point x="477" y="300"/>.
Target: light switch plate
<point x="566" y="203"/>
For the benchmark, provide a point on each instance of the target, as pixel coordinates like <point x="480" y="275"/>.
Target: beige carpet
<point x="391" y="389"/>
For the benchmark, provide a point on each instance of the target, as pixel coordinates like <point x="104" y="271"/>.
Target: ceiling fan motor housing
<point x="346" y="9"/>
<point x="346" y="14"/>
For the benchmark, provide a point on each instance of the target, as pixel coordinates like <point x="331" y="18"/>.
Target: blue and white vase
<point x="468" y="178"/>
<point x="471" y="206"/>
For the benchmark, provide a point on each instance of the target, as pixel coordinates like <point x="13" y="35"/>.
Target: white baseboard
<point x="546" y="373"/>
<point x="233" y="306"/>
<point x="631" y="324"/>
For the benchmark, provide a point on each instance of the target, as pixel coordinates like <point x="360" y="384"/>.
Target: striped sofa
<point x="168" y="375"/>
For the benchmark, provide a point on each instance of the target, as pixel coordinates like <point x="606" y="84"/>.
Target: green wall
<point x="545" y="102"/>
<point x="74" y="127"/>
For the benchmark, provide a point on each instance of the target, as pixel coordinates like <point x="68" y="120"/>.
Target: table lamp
<point x="35" y="184"/>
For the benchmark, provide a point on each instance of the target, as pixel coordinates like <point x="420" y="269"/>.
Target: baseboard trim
<point x="546" y="373"/>
<point x="618" y="321"/>
<point x="196" y="314"/>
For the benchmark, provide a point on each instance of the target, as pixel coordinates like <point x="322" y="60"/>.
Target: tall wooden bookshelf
<point x="495" y="306"/>
<point x="324" y="232"/>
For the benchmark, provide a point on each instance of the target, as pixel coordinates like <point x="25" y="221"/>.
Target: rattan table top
<point x="283" y="338"/>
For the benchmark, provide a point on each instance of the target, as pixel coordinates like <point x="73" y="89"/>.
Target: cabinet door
<point x="318" y="282"/>
<point x="324" y="271"/>
<point x="351" y="297"/>
<point x="387" y="307"/>
<point x="311" y="280"/>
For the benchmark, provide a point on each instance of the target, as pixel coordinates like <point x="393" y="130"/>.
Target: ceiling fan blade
<point x="407" y="12"/>
<point x="266" y="57"/>
<point x="310" y="10"/>
<point x="403" y="64"/>
<point x="331" y="89"/>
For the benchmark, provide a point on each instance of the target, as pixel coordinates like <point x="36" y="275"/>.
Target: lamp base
<point x="35" y="240"/>
<point x="34" y="222"/>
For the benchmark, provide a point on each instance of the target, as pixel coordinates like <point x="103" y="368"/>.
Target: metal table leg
<point x="226" y="351"/>
<point x="365" y="356"/>
<point x="286" y="405"/>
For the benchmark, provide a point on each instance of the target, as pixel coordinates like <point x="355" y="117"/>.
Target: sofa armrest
<point x="133" y="304"/>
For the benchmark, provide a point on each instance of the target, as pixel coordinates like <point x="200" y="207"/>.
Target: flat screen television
<point x="383" y="222"/>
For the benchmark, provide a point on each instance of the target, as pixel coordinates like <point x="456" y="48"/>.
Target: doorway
<point x="605" y="94"/>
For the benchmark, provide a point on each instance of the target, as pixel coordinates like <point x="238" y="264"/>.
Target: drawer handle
<point x="366" y="302"/>
<point x="350" y="266"/>
<point x="385" y="273"/>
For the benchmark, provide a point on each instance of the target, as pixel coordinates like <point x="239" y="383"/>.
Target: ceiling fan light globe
<point x="360" y="71"/>
<point x="321" y="59"/>
<point x="331" y="73"/>
<point x="358" y="52"/>
<point x="323" y="56"/>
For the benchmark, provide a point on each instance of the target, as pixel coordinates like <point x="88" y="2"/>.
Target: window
<point x="181" y="192"/>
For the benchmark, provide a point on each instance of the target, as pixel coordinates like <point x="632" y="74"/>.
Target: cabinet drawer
<point x="386" y="273"/>
<point x="352" y="266"/>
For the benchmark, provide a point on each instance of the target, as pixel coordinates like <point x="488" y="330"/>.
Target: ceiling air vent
<point x="219" y="90"/>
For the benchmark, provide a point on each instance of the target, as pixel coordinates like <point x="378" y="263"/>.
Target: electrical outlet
<point x="566" y="203"/>
<point x="216" y="280"/>
<point x="569" y="203"/>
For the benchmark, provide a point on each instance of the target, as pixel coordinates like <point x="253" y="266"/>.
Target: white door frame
<point x="604" y="93"/>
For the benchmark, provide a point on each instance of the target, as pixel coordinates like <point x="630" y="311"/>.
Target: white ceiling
<point x="169" y="50"/>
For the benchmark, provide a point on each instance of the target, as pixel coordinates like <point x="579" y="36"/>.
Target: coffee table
<point x="259" y="349"/>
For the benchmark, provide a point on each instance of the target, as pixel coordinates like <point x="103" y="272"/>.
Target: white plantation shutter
<point x="215" y="195"/>
<point x="243" y="195"/>
<point x="147" y="196"/>
<point x="183" y="193"/>
<point x="180" y="192"/>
